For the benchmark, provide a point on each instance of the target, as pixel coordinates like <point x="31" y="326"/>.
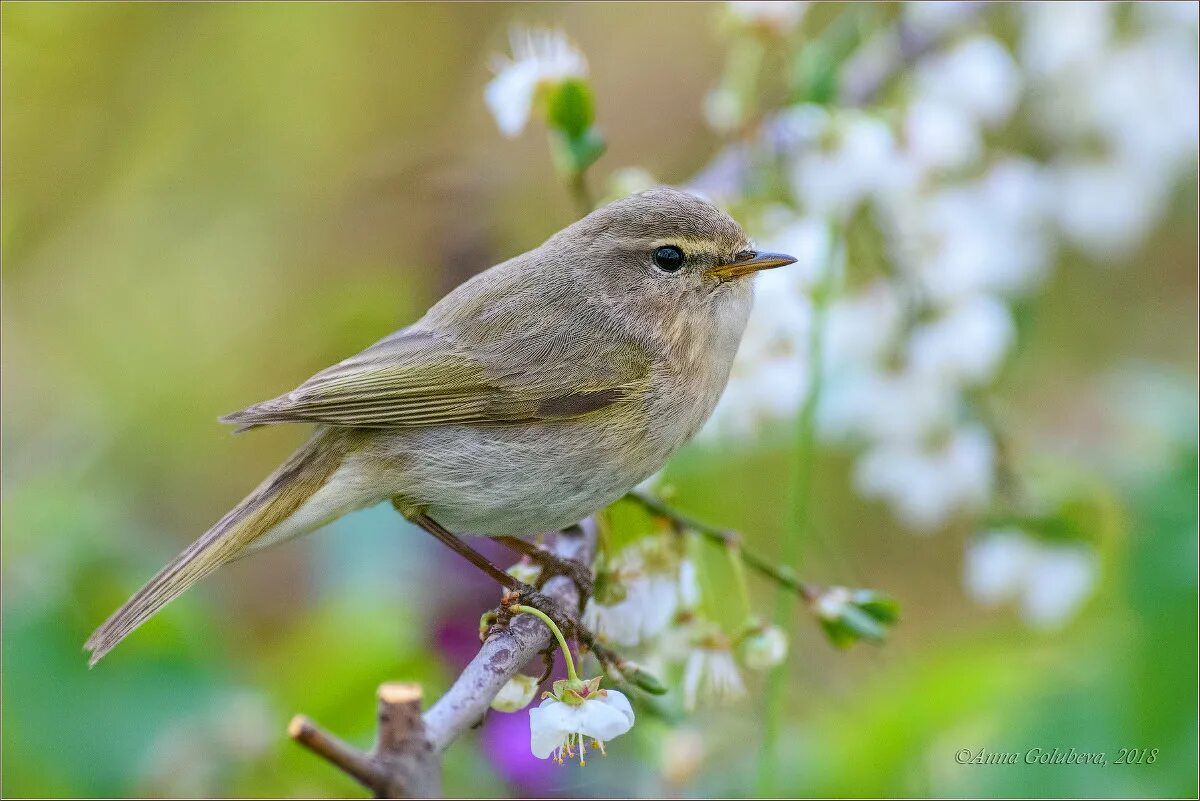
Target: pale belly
<point x="519" y="481"/>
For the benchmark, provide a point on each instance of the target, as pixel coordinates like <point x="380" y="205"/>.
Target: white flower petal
<point x="779" y="15"/>
<point x="606" y="717"/>
<point x="965" y="344"/>
<point x="996" y="566"/>
<point x="538" y="56"/>
<point x="602" y="719"/>
<point x="1060" y="579"/>
<point x="978" y="75"/>
<point x="549" y="724"/>
<point x="509" y="96"/>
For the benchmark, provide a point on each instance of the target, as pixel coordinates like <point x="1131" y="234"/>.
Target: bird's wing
<point x="417" y="377"/>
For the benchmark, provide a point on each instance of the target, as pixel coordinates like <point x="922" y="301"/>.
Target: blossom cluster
<point x="654" y="605"/>
<point x="896" y="348"/>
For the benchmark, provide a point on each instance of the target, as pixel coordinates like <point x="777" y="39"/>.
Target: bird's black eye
<point x="668" y="258"/>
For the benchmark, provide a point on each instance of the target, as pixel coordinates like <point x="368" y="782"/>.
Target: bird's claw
<point x="527" y="595"/>
<point x="554" y="565"/>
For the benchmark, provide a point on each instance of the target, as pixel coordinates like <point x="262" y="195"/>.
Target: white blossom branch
<point x="406" y="759"/>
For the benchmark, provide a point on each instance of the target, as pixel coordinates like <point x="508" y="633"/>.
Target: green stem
<point x="577" y="183"/>
<point x="781" y="575"/>
<point x="802" y="503"/>
<point x="558" y="635"/>
<point x="739" y="576"/>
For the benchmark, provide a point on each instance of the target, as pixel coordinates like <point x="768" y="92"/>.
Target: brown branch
<point x="402" y="763"/>
<point x="405" y="762"/>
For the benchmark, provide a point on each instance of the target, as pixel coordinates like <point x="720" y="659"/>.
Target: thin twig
<point x="781" y="574"/>
<point x="351" y="761"/>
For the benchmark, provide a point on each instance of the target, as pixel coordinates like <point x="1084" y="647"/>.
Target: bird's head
<point x="668" y="252"/>
<point x="669" y="242"/>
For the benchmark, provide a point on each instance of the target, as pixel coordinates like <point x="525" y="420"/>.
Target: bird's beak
<point x="748" y="262"/>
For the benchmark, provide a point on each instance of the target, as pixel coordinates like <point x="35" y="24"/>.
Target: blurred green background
<point x="203" y="204"/>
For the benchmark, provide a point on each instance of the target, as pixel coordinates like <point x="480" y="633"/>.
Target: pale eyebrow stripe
<point x="691" y="245"/>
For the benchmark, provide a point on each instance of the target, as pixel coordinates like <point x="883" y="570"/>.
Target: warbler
<point x="531" y="396"/>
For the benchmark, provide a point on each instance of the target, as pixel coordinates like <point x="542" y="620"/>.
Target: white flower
<point x="1106" y="208"/>
<point x="780" y="16"/>
<point x="1141" y="99"/>
<point x="1059" y="581"/>
<point x="859" y="328"/>
<point x="1049" y="580"/>
<point x="833" y="602"/>
<point x="516" y="693"/>
<point x="689" y="585"/>
<point x="648" y="575"/>
<point x="1057" y="37"/>
<point x="940" y="136"/>
<point x="965" y="343"/>
<point x="986" y="235"/>
<point x="856" y="162"/>
<point x="559" y="728"/>
<point x="879" y="405"/>
<point x="711" y="674"/>
<point x="764" y="648"/>
<point x="977" y="75"/>
<point x="926" y="485"/>
<point x="936" y="17"/>
<point x="540" y="56"/>
<point x="649" y="604"/>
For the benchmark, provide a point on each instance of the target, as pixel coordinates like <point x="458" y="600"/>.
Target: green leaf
<point x="645" y="681"/>
<point x="570" y="108"/>
<point x="573" y="156"/>
<point x="880" y="607"/>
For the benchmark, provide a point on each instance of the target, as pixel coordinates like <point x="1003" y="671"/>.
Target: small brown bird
<point x="531" y="396"/>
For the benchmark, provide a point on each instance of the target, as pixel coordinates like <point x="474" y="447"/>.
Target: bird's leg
<point x="577" y="571"/>
<point x="519" y="592"/>
<point x="451" y="541"/>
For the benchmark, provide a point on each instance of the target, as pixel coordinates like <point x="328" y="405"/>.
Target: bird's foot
<point x="579" y="573"/>
<point x="500" y="617"/>
<point x="555" y="565"/>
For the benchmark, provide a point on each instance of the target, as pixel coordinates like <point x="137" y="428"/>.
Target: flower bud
<point x="516" y="694"/>
<point x="764" y="648"/>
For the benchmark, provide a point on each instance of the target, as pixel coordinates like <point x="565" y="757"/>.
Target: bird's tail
<point x="271" y="503"/>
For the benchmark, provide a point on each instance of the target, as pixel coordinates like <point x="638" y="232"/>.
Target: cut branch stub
<point x="402" y="764"/>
